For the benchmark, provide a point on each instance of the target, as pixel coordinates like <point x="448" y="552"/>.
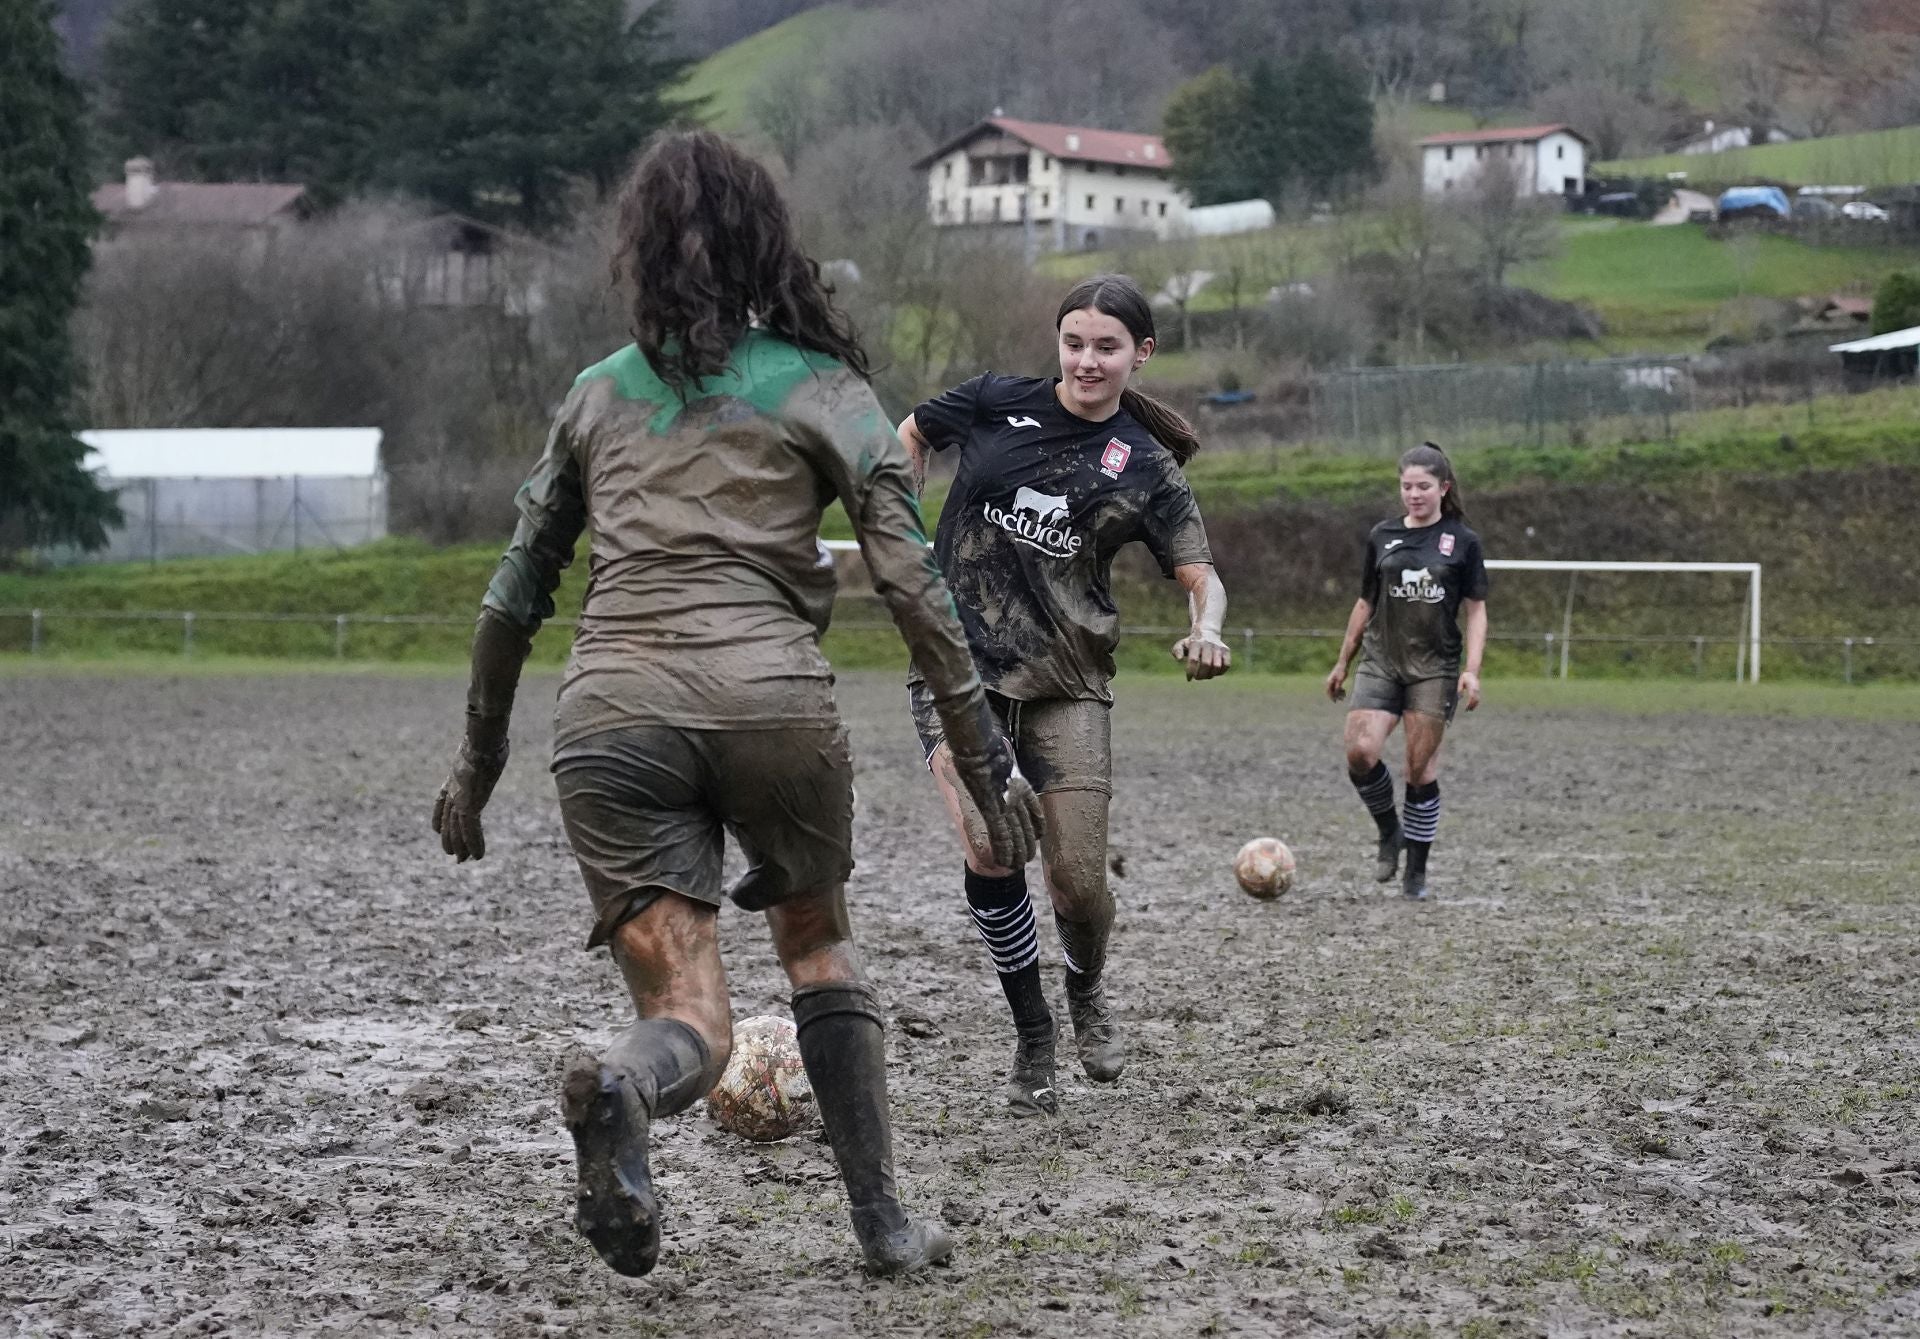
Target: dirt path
<point x="1648" y="1066"/>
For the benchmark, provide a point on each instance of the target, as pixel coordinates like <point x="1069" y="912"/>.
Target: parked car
<point x="1864" y="210"/>
<point x="1815" y="208"/>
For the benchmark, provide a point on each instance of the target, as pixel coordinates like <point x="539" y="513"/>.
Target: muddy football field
<point x="1647" y="1065"/>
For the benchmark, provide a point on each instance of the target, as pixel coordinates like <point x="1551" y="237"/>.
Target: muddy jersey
<point x="1415" y="578"/>
<point x="708" y="588"/>
<point x="1042" y="501"/>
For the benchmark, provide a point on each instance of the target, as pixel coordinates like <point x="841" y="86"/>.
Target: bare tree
<point x="1419" y="244"/>
<point x="1507" y="224"/>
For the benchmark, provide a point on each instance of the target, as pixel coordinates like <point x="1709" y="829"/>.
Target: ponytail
<point x="1167" y="424"/>
<point x="1429" y="457"/>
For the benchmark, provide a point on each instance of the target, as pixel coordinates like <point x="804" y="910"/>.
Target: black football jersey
<point x="1415" y="578"/>
<point x="1042" y="501"/>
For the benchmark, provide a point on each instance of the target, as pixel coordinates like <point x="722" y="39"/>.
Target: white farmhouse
<point x="1546" y="160"/>
<point x="1066" y="186"/>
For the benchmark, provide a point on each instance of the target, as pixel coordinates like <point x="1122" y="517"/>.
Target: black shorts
<point x="1060" y="744"/>
<point x="1374" y="691"/>
<point x="646" y="807"/>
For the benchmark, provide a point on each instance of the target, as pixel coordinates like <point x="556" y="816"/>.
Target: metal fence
<point x="379" y="637"/>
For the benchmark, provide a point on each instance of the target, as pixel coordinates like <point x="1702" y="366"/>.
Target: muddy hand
<point x="983" y="761"/>
<point x="1337" y="683"/>
<point x="1206" y="657"/>
<point x="456" y="811"/>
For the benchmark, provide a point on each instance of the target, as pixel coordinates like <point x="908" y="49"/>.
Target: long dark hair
<point x="1433" y="460"/>
<point x="706" y="247"/>
<point x="1118" y="296"/>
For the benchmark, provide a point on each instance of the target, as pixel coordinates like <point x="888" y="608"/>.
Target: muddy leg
<point x="672" y="1054"/>
<point x="1074" y="856"/>
<point x="842" y="1042"/>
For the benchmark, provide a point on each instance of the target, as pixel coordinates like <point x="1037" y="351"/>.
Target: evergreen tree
<point x="1206" y="130"/>
<point x="508" y="103"/>
<point x="1331" y="123"/>
<point x="45" y="223"/>
<point x="170" y="70"/>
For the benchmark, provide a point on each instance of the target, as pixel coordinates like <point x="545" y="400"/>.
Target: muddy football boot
<point x="1386" y="861"/>
<point x="1030" y="1085"/>
<point x="893" y="1241"/>
<point x="1414" y="886"/>
<point x="1102" y="1047"/>
<point x="615" y="1208"/>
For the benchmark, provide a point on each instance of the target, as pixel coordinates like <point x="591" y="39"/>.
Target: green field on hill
<point x="1873" y="158"/>
<point x="728" y="77"/>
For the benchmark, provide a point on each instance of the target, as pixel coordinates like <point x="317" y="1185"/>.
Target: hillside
<point x="1876" y="158"/>
<point x="729" y="76"/>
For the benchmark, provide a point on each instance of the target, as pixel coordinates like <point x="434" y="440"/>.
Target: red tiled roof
<point x="1520" y="133"/>
<point x="231" y="204"/>
<point x="1122" y="148"/>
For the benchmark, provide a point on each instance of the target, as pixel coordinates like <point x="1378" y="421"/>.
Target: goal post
<point x="1750" y="670"/>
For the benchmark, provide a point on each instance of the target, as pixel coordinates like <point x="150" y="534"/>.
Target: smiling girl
<point x="1422" y="573"/>
<point x="1055" y="476"/>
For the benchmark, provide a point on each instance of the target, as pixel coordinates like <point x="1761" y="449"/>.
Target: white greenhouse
<point x="197" y="492"/>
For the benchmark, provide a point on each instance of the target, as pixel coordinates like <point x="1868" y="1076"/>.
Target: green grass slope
<point x="1873" y="158"/>
<point x="729" y="76"/>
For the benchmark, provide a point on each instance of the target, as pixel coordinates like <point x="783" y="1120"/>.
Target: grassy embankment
<point x="1870" y="159"/>
<point x="1276" y="516"/>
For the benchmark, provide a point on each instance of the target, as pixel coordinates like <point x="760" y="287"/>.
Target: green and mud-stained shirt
<point x="1415" y="578"/>
<point x="708" y="588"/>
<point x="1042" y="501"/>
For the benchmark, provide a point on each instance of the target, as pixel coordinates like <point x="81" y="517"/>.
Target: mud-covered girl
<point x="696" y="701"/>
<point x="1055" y="475"/>
<point x="1423" y="575"/>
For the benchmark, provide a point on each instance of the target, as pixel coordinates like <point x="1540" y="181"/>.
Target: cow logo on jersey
<point x="1024" y="421"/>
<point x="1446" y="546"/>
<point x="1115" y="457"/>
<point x="1037" y="520"/>
<point x="1417" y="583"/>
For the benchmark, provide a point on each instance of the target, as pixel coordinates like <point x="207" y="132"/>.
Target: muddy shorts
<point x="1060" y="744"/>
<point x="1374" y="691"/>
<point x="646" y="808"/>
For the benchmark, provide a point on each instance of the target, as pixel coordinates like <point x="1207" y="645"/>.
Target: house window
<point x="949" y="171"/>
<point x="1046" y="163"/>
<point x="1046" y="198"/>
<point x="1089" y="202"/>
<point x="944" y="210"/>
<point x="1119" y="204"/>
<point x="1163" y="209"/>
<point x="1478" y="151"/>
<point x="1449" y="153"/>
<point x="1145" y="206"/>
<point x="1559" y="151"/>
<point x="996" y="209"/>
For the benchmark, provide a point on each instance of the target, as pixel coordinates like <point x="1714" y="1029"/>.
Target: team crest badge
<point x="1446" y="546"/>
<point x="1115" y="457"/>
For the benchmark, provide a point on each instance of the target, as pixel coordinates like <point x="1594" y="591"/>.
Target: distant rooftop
<point x="1514" y="134"/>
<point x="1078" y="144"/>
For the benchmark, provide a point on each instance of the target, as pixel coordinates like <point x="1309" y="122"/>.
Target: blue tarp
<point x="1770" y="198"/>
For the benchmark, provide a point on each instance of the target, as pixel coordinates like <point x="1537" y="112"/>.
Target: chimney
<point x="1151" y="152"/>
<point x="1073" y="143"/>
<point x="140" y="187"/>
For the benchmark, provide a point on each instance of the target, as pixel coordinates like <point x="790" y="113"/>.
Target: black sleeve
<point x="1475" y="585"/>
<point x="1171" y="527"/>
<point x="948" y="418"/>
<point x="1370" y="576"/>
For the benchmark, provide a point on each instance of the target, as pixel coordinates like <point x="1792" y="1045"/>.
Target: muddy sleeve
<point x="1171" y="525"/>
<point x="839" y="426"/>
<point x="1475" y="585"/>
<point x="519" y="599"/>
<point x="948" y="418"/>
<point x="1370" y="575"/>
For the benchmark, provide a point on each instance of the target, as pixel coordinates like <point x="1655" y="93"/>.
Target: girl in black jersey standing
<point x="1423" y="573"/>
<point x="1055" y="476"/>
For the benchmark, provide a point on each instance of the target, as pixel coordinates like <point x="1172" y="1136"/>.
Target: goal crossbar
<point x="1751" y="570"/>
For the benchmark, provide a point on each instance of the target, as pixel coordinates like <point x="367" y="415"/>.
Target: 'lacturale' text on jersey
<point x="1415" y="578"/>
<point x="1042" y="501"/>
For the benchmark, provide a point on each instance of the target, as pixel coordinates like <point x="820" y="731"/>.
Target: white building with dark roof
<point x="1546" y="160"/>
<point x="1070" y="186"/>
